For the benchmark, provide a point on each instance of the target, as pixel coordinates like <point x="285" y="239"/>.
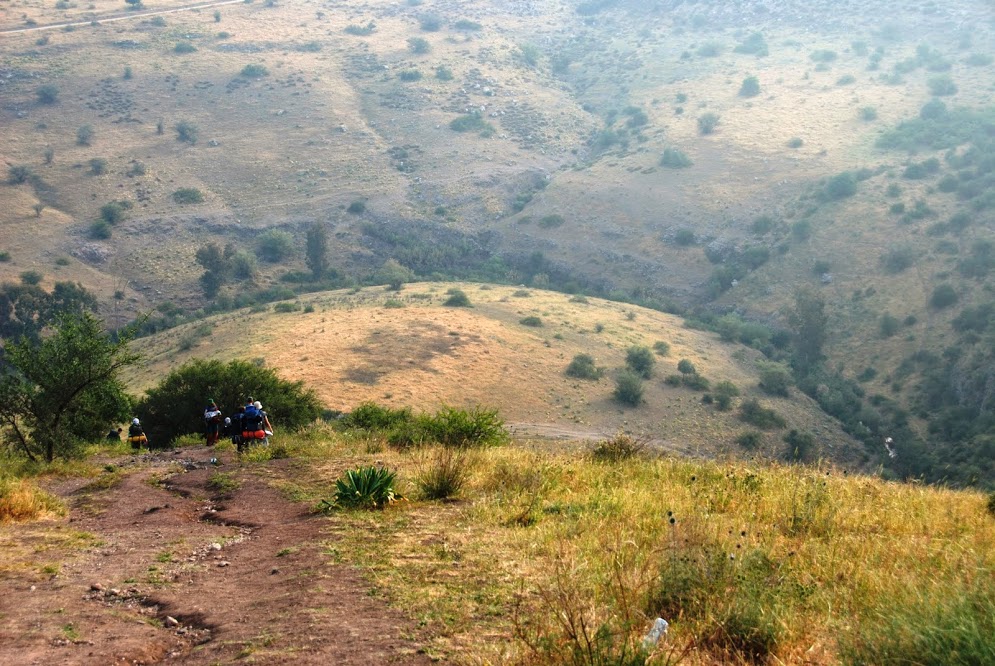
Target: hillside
<point x="407" y="349"/>
<point x="694" y="157"/>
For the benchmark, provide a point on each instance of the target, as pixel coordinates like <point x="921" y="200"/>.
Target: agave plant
<point x="367" y="488"/>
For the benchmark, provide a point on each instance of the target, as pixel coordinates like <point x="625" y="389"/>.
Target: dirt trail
<point x="178" y="571"/>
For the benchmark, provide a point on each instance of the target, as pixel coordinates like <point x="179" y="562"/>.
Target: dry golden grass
<point x="352" y="349"/>
<point x="22" y="501"/>
<point x="537" y="537"/>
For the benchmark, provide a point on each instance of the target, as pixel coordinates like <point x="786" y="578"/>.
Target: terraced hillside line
<point x="206" y="566"/>
<point x="120" y="17"/>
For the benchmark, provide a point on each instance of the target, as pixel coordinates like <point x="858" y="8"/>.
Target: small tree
<point x="808" y="321"/>
<point x="84" y="135"/>
<point x="64" y="388"/>
<point x="750" y="87"/>
<point x="775" y="378"/>
<point x="707" y="123"/>
<point x="457" y="299"/>
<point x="187" y="132"/>
<point x="18" y="174"/>
<point x="628" y="389"/>
<point x="686" y="367"/>
<point x="316" y="250"/>
<point x="640" y="360"/>
<point x="394" y="274"/>
<point x="47" y="94"/>
<point x="275" y="245"/>
<point x="419" y="45"/>
<point x="583" y="367"/>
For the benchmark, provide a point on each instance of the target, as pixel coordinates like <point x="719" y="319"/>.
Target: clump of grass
<point x="532" y="321"/>
<point x="22" y="501"/>
<point x="457" y="299"/>
<point x="444" y="474"/>
<point x="224" y="483"/>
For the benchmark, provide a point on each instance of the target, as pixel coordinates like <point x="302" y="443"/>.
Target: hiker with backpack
<point x="212" y="422"/>
<point x="254" y="424"/>
<point x="233" y="427"/>
<point x="136" y="436"/>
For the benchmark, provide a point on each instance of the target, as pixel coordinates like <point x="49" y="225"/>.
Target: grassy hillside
<point x="509" y="351"/>
<point x="528" y="144"/>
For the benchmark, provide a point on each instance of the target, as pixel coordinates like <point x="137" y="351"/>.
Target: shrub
<point x="275" y="245"/>
<point x="897" y="259"/>
<point x="84" y="135"/>
<point x="709" y="49"/>
<point x="361" y="30"/>
<point x="457" y="299"/>
<point x="753" y="45"/>
<point x="459" y="428"/>
<point x="114" y="211"/>
<point x="943" y="296"/>
<point x="674" y="158"/>
<point x="628" y="389"/>
<point x="471" y="122"/>
<point x="365" y="488"/>
<point x="174" y="406"/>
<point x="371" y="416"/>
<point x="661" y="348"/>
<point x="23" y="501"/>
<point x="640" y="360"/>
<point x="357" y="207"/>
<point x="254" y="71"/>
<point x="531" y="320"/>
<point x="840" y="186"/>
<point x="846" y="80"/>
<point x="100" y="230"/>
<point x="990" y="506"/>
<point x="707" y="123"/>
<point x="443" y="73"/>
<point x="445" y="475"/>
<point x="750" y="439"/>
<point x="18" y="174"/>
<point x="686" y="367"/>
<point x="868" y="113"/>
<point x="795" y="142"/>
<point x="419" y="45"/>
<point x="979" y="59"/>
<point x="750" y="87"/>
<point x="888" y="325"/>
<point x="430" y="23"/>
<point x="823" y="55"/>
<point x="800" y="445"/>
<point x="467" y="25"/>
<point x="184" y="47"/>
<point x="695" y="382"/>
<point x="188" y="195"/>
<point x="618" y="448"/>
<point x="583" y="367"/>
<point x="775" y="378"/>
<point x="47" y="94"/>
<point x="98" y="166"/>
<point x="409" y="75"/>
<point x="724" y="392"/>
<point x="751" y="411"/>
<point x="187" y="132"/>
<point x="942" y="86"/>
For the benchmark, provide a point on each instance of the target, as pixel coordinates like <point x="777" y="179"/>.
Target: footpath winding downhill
<point x="169" y="568"/>
<point x="113" y="18"/>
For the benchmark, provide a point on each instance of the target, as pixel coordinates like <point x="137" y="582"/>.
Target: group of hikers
<point x="248" y="425"/>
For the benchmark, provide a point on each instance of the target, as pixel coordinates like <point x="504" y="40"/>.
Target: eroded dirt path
<point x="168" y="567"/>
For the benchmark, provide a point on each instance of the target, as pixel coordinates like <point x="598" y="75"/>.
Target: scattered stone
<point x="114" y="592"/>
<point x="223" y="563"/>
<point x="97" y="587"/>
<point x="215" y="546"/>
<point x="171" y="621"/>
<point x="274" y="570"/>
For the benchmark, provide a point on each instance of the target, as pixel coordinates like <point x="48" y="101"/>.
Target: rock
<point x="97" y="587"/>
<point x="215" y="546"/>
<point x="171" y="621"/>
<point x="114" y="592"/>
<point x="223" y="563"/>
<point x="274" y="570"/>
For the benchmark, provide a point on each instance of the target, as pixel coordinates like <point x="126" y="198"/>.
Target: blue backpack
<point x="252" y="419"/>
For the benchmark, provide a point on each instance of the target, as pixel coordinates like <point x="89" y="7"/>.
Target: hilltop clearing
<point x="510" y="352"/>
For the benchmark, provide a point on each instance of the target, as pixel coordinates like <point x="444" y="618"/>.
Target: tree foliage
<point x="63" y="389"/>
<point x="25" y="309"/>
<point x="316" y="250"/>
<point x="176" y="405"/>
<point x="808" y="322"/>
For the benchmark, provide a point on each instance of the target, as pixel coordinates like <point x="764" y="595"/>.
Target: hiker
<point x="267" y="426"/>
<point x="233" y="427"/>
<point x="136" y="435"/>
<point x="212" y="422"/>
<point x="253" y="424"/>
<point x="114" y="435"/>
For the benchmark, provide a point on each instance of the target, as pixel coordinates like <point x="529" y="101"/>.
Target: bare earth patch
<point x="163" y="565"/>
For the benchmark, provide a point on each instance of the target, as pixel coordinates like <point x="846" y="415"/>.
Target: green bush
<point x="114" y="211"/>
<point x="673" y="380"/>
<point x="184" y="47"/>
<point x="800" y="446"/>
<point x="750" y="87"/>
<point x="285" y="307"/>
<point x="846" y="80"/>
<point x="943" y="296"/>
<point x="531" y="320"/>
<point x="361" y="30"/>
<point x="640" y="360"/>
<point x="990" y="506"/>
<point x="707" y="123"/>
<point x="47" y="94"/>
<point x="174" y="406"/>
<point x="186" y="132"/>
<point x="254" y="71"/>
<point x="275" y="245"/>
<point x="419" y="45"/>
<point x="618" y="448"/>
<point x="471" y="122"/>
<point x="84" y="135"/>
<point x="457" y="299"/>
<point x="724" y="392"/>
<point x="430" y="23"/>
<point x="459" y="428"/>
<point x="695" y="382"/>
<point x="98" y="166"/>
<point x="868" y="113"/>
<point x="674" y="158"/>
<point x="897" y="259"/>
<point x="751" y="411"/>
<point x="686" y="367"/>
<point x="409" y="75"/>
<point x="18" y="174"/>
<point x="753" y="45"/>
<point x="775" y="378"/>
<point x="823" y="55"/>
<point x="188" y="195"/>
<point x="371" y="416"/>
<point x="628" y="389"/>
<point x="583" y="367"/>
<point x="443" y="73"/>
<point x="750" y="439"/>
<point x="661" y="348"/>
<point x="365" y="488"/>
<point x="840" y="186"/>
<point x="888" y="325"/>
<point x="796" y="142"/>
<point x="100" y="230"/>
